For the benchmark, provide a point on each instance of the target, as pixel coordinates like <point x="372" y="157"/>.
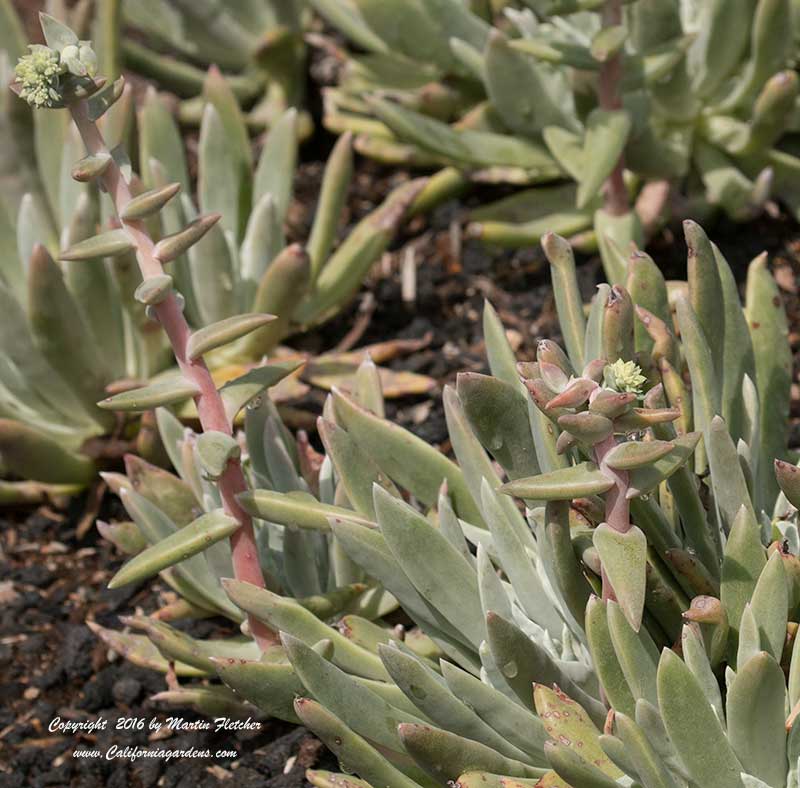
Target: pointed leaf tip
<point x="788" y="476"/>
<point x="172" y="246"/>
<point x="107" y="244"/>
<point x="149" y="202"/>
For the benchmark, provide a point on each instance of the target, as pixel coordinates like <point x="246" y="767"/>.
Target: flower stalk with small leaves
<point x="86" y="101"/>
<point x="67" y="329"/>
<point x="591" y="410"/>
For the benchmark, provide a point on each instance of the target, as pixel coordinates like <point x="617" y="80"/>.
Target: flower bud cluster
<point x="41" y="73"/>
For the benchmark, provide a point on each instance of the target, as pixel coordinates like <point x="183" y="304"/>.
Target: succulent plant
<point x="646" y="453"/>
<point x="259" y="45"/>
<point x="76" y="328"/>
<point x="575" y="95"/>
<point x="650" y="493"/>
<point x="643" y="535"/>
<point x="88" y="99"/>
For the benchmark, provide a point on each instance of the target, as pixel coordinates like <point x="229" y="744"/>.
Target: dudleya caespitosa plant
<point x="76" y="328"/>
<point x="646" y="458"/>
<point x="645" y="99"/>
<point x="545" y="645"/>
<point x="637" y="626"/>
<point x="219" y="452"/>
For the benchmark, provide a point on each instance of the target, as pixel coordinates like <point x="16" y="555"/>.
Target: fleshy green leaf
<point x="646" y="478"/>
<point x="445" y="755"/>
<point x="769" y="330"/>
<point x="297" y="509"/>
<point x="508" y="718"/>
<point x="567" y="722"/>
<point x="567" y="294"/>
<point x="756" y="718"/>
<point x="498" y="413"/>
<point x="238" y="392"/>
<point x="215" y="450"/>
<point x="56" y="34"/>
<point x="545" y="101"/>
<point x="174" y="245"/>
<point x="636" y="652"/>
<point x="432" y="696"/>
<point x="164" y="392"/>
<point x="108" y="244"/>
<point x="32" y="454"/>
<point x="225" y="331"/>
<point x="770" y="605"/>
<point x="604" y="140"/>
<point x="646" y="761"/>
<point x="149" y="202"/>
<point x="270" y="683"/>
<point x="523" y="662"/>
<point x="275" y="172"/>
<point x="631" y="455"/>
<point x="624" y="560"/>
<point x="362" y="710"/>
<point x="693" y="727"/>
<point x="563" y="484"/>
<point x="154" y="289"/>
<point x="335" y="182"/>
<point x="609" y="670"/>
<point x="349" y="747"/>
<point x="409" y="461"/>
<point x="280" y="289"/>
<point x="184" y="543"/>
<point x="409" y="535"/>
<point x="742" y="565"/>
<point x="90" y="167"/>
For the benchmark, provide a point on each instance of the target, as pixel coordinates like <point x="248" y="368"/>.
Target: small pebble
<point x="126" y="691"/>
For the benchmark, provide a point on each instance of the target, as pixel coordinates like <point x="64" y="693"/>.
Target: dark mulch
<point x="52" y="666"/>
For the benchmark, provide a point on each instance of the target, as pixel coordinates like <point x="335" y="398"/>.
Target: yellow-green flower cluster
<point x="624" y="376"/>
<point x="44" y="73"/>
<point x="39" y="74"/>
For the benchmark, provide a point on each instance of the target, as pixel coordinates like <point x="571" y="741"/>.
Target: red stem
<point x="609" y="98"/>
<point x="246" y="564"/>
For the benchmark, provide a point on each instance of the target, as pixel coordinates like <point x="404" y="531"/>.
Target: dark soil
<point x="52" y="666"/>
